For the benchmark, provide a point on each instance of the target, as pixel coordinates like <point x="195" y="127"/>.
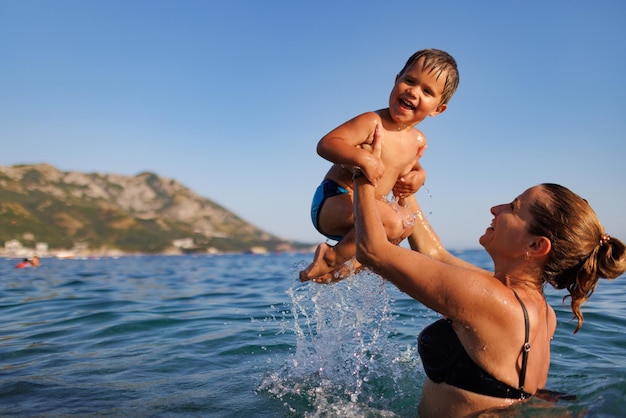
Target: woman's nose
<point x="496" y="209"/>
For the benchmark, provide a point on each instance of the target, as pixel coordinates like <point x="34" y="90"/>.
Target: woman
<point x="492" y="348"/>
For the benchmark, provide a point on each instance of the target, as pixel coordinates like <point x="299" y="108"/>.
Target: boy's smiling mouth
<point x="407" y="104"/>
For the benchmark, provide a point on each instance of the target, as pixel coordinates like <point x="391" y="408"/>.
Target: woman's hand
<point x="410" y="183"/>
<point x="373" y="169"/>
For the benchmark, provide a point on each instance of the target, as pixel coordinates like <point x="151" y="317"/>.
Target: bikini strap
<point x="526" y="347"/>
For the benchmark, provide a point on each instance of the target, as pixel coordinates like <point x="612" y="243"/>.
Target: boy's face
<point x="417" y="94"/>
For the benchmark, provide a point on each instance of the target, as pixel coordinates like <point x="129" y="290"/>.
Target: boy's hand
<point x="410" y="183"/>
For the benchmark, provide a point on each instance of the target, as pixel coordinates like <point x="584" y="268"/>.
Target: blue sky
<point x="230" y="97"/>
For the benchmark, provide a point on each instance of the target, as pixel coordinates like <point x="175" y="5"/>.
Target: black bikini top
<point x="445" y="360"/>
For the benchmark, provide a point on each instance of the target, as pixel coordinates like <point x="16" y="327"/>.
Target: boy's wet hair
<point x="440" y="62"/>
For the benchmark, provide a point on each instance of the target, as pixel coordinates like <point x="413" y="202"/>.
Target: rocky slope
<point x="93" y="212"/>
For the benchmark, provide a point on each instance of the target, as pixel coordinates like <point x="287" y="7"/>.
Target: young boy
<point x="423" y="88"/>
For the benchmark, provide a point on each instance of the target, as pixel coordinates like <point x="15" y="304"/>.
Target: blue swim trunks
<point x="327" y="189"/>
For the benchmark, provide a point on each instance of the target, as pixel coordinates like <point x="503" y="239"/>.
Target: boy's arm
<point x="349" y="145"/>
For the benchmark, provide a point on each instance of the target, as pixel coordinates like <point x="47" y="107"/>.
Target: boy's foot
<point x="319" y="266"/>
<point x="341" y="272"/>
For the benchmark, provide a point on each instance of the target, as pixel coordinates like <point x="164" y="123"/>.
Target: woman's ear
<point x="541" y="246"/>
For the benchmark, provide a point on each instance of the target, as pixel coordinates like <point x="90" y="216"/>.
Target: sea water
<point x="239" y="335"/>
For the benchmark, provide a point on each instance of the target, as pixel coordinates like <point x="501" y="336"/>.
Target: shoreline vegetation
<point x="113" y="253"/>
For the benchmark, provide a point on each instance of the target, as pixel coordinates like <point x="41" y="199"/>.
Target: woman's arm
<point x="451" y="289"/>
<point x="425" y="240"/>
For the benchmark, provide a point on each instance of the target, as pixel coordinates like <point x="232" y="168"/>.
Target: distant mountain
<point x="100" y="213"/>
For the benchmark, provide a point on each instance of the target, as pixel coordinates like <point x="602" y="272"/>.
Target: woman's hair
<point x="440" y="62"/>
<point x="581" y="250"/>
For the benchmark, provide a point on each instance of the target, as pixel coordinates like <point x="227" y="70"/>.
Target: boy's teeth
<point x="407" y="104"/>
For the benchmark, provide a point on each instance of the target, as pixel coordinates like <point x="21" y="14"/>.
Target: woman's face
<point x="508" y="234"/>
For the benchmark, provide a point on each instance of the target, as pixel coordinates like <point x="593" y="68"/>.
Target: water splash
<point x="430" y="197"/>
<point x="407" y="216"/>
<point x="346" y="361"/>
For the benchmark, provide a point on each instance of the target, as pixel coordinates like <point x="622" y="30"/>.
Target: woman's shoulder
<point x="495" y="308"/>
<point x="471" y="296"/>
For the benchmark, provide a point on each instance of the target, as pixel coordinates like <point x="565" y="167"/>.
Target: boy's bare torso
<point x="399" y="153"/>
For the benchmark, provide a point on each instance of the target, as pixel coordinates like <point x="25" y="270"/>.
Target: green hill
<point x="98" y="213"/>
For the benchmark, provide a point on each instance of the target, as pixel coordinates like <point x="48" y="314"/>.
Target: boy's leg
<point x="402" y="218"/>
<point x="319" y="266"/>
<point x="335" y="217"/>
<point x="327" y="258"/>
<point x="398" y="224"/>
<point x="328" y="262"/>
